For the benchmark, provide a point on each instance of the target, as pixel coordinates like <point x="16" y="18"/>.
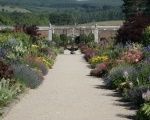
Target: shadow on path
<point x="131" y="117"/>
<point x="120" y="101"/>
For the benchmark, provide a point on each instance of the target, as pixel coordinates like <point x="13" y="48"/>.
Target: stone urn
<point x="72" y="48"/>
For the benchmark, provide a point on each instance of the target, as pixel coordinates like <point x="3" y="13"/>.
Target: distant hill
<point x="59" y="12"/>
<point x="41" y="4"/>
<point x="13" y="9"/>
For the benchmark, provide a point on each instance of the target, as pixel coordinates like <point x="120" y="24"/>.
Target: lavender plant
<point x="116" y="75"/>
<point x="29" y="76"/>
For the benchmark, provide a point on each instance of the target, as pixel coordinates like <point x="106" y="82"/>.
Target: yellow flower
<point x="35" y="46"/>
<point x="98" y="59"/>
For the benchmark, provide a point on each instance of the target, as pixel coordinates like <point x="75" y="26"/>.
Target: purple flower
<point x="147" y="49"/>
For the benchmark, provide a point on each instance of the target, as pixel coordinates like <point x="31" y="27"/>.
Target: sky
<point x="81" y="0"/>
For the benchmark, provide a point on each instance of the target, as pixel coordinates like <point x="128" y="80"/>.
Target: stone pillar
<point x="53" y="30"/>
<point x="96" y="34"/>
<point x="50" y="32"/>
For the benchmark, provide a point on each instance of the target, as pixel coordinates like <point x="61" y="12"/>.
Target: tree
<point x="61" y="18"/>
<point x="128" y="9"/>
<point x="137" y="14"/>
<point x="133" y="7"/>
<point x="133" y="29"/>
<point x="56" y="39"/>
<point x="83" y="38"/>
<point x="64" y="39"/>
<point x="90" y="37"/>
<point x="146" y="37"/>
<point x="147" y="10"/>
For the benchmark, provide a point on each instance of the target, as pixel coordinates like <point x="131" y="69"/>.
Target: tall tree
<point x="137" y="18"/>
<point x="133" y="8"/>
<point x="147" y="10"/>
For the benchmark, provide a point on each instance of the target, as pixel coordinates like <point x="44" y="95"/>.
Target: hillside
<point x="13" y="9"/>
<point x="59" y="12"/>
<point x="33" y="4"/>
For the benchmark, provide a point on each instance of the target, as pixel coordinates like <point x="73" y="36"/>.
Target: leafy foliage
<point x="146" y="37"/>
<point x="137" y="18"/>
<point x="8" y="91"/>
<point x="7" y="18"/>
<point x="116" y="75"/>
<point x="132" y="30"/>
<point x="144" y="112"/>
<point x="5" y="71"/>
<point x="134" y="7"/>
<point x="135" y="95"/>
<point x="83" y="38"/>
<point x="56" y="39"/>
<point x="65" y="39"/>
<point x="143" y="73"/>
<point x="15" y="49"/>
<point x="37" y="63"/>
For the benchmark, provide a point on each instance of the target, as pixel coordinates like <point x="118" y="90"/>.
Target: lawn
<point x="106" y="23"/>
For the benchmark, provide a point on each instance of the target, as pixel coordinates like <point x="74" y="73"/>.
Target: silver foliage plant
<point x="120" y="73"/>
<point x="8" y="91"/>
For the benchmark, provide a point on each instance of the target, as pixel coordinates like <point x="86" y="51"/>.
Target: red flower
<point x="100" y="70"/>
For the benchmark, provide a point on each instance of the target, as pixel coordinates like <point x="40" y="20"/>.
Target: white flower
<point x="137" y="60"/>
<point x="126" y="74"/>
<point x="146" y="96"/>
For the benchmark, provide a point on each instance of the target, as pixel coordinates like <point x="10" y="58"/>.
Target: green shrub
<point x="48" y="62"/>
<point x="56" y="39"/>
<point x="37" y="63"/>
<point x="90" y="38"/>
<point x="143" y="74"/>
<point x="15" y="49"/>
<point x="65" y="39"/>
<point x="83" y="38"/>
<point x="60" y="50"/>
<point x="114" y="52"/>
<point x="8" y="91"/>
<point x="144" y="112"/>
<point x="135" y="95"/>
<point x="146" y="37"/>
<point x="5" y="70"/>
<point x="116" y="75"/>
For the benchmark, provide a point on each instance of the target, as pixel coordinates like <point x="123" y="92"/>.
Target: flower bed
<point x="98" y="59"/>
<point x="125" y="69"/>
<point x="23" y="63"/>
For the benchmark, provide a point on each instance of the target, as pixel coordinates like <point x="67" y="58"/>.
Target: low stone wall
<point x="103" y="31"/>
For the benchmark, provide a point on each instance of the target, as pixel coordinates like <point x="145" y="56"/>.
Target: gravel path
<point x="68" y="93"/>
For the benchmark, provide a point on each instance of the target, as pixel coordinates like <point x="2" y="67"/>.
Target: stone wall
<point x="100" y="32"/>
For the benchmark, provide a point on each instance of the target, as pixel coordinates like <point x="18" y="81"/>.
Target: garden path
<point x="68" y="93"/>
